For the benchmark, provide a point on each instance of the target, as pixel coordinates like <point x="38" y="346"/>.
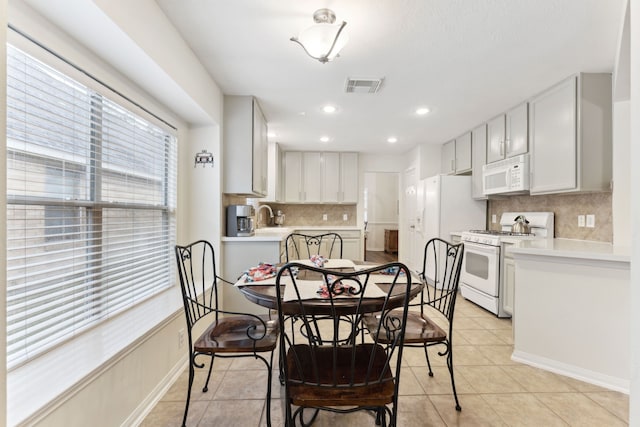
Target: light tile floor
<point x="493" y="390"/>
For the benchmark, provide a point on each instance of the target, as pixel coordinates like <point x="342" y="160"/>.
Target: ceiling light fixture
<point x="329" y="109"/>
<point x="422" y="111"/>
<point x="324" y="40"/>
<point x="392" y="140"/>
<point x="324" y="139"/>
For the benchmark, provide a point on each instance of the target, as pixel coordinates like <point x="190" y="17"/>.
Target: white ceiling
<point x="467" y="60"/>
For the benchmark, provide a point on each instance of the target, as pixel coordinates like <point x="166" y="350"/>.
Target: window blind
<point x="91" y="194"/>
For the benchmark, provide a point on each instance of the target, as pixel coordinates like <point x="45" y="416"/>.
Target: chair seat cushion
<point x="312" y="382"/>
<point x="419" y="328"/>
<point x="233" y="335"/>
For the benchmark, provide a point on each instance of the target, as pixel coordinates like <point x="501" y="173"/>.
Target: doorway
<point x="381" y="215"/>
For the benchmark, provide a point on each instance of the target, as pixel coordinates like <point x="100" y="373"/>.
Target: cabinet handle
<point x="502" y="148"/>
<point x="507" y="144"/>
<point x="453" y="168"/>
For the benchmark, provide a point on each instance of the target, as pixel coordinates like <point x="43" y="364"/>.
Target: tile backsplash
<point x="311" y="214"/>
<point x="566" y="208"/>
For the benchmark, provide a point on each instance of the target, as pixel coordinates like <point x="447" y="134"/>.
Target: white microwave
<point x="506" y="176"/>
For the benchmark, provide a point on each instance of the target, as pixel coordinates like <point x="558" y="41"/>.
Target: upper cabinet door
<point x="293" y="177"/>
<point x="311" y="177"/>
<point x="553" y="119"/>
<point x="331" y="177"/>
<point x="448" y="158"/>
<point x="245" y="146"/>
<point x="260" y="150"/>
<point x="349" y="177"/>
<point x="479" y="159"/>
<point x="495" y="139"/>
<point x="516" y="139"/>
<point x="463" y="153"/>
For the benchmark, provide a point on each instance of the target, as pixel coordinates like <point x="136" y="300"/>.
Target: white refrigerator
<point x="446" y="207"/>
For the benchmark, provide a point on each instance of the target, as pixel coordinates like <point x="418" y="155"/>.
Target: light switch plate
<point x="345" y="217"/>
<point x="591" y="221"/>
<point x="324" y="217"/>
<point x="494" y="218"/>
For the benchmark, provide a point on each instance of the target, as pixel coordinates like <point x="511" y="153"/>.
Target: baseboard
<point x="147" y="405"/>
<point x="585" y="375"/>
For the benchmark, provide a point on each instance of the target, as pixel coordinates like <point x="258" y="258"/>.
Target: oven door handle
<point x="478" y="247"/>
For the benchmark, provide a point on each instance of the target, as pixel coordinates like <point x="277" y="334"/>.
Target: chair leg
<point x="426" y="355"/>
<point x="453" y="383"/>
<point x="206" y="384"/>
<point x="269" y="374"/>
<point x="186" y="406"/>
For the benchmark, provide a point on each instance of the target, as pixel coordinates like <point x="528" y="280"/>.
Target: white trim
<point x="572" y="371"/>
<point x="146" y="406"/>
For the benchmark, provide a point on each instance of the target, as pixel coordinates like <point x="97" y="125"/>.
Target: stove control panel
<point x="482" y="239"/>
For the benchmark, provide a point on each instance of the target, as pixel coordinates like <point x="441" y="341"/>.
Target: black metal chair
<point x="336" y="371"/>
<point x="230" y="334"/>
<point x="441" y="267"/>
<point x="304" y="246"/>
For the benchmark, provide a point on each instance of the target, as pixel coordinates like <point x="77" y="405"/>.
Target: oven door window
<point x="477" y="265"/>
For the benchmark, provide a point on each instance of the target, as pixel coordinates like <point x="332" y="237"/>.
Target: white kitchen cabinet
<point x="463" y="153"/>
<point x="275" y="174"/>
<point x="340" y="178"/>
<point x="302" y="172"/>
<point x="571" y="136"/>
<point x="456" y="155"/>
<point x="448" y="157"/>
<point x="245" y="150"/>
<point x="507" y="134"/>
<point x="349" y="177"/>
<point x="508" y="282"/>
<point x="331" y="182"/>
<point x="329" y="177"/>
<point x="478" y="159"/>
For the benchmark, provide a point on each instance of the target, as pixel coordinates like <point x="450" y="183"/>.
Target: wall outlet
<point x="494" y="218"/>
<point x="345" y="217"/>
<point x="181" y="338"/>
<point x="580" y="220"/>
<point x="591" y="221"/>
<point x="324" y="217"/>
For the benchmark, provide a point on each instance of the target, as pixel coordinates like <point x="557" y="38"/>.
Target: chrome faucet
<point x="270" y="212"/>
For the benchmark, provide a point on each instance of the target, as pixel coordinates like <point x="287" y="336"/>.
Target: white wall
<point x="634" y="400"/>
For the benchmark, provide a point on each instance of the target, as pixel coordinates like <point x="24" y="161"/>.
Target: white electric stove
<point x="482" y="279"/>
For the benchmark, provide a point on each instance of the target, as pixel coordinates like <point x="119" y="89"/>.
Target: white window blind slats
<point x="91" y="198"/>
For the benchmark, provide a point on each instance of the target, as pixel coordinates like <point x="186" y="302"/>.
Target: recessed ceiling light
<point x="271" y="135"/>
<point x="329" y="109"/>
<point x="324" y="139"/>
<point x="422" y="111"/>
<point x="392" y="140"/>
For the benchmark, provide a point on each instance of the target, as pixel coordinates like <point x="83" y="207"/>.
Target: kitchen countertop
<point x="278" y="234"/>
<point x="569" y="248"/>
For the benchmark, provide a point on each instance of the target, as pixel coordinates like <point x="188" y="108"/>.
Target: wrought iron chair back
<point x="304" y="246"/>
<point x="229" y="334"/>
<point x="441" y="269"/>
<point x="336" y="370"/>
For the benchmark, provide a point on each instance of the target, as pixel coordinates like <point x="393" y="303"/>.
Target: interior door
<point x="410" y="239"/>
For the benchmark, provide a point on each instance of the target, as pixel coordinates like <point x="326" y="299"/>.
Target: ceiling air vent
<point x="363" y="85"/>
